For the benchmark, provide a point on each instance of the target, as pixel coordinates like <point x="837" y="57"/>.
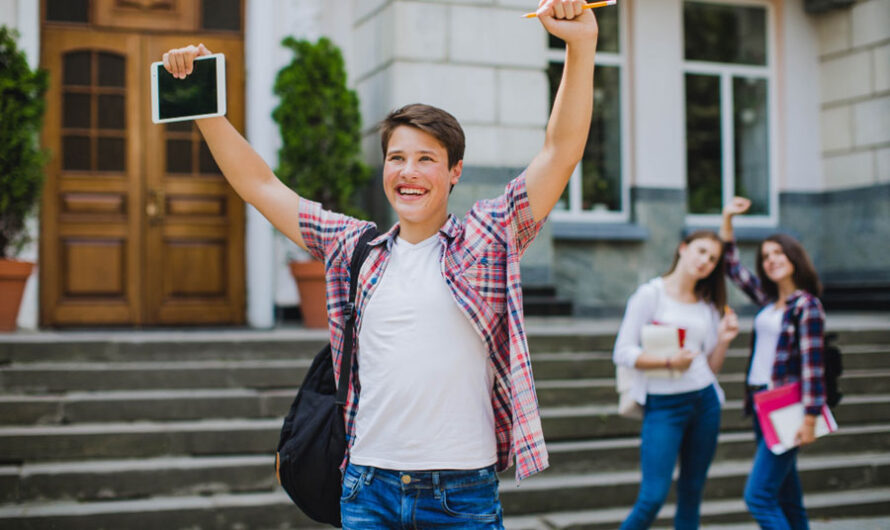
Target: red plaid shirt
<point x="481" y="267"/>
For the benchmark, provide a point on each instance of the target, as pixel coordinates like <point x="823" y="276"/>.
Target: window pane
<point x="77" y="68"/>
<point x="704" y="162"/>
<point x="111" y="154"/>
<point x="725" y="33"/>
<point x="206" y="163"/>
<point x="179" y="156"/>
<point x="601" y="165"/>
<point x="609" y="36"/>
<point x="111" y="70"/>
<point x="76" y="153"/>
<point x="554" y="74"/>
<point x="76" y="111"/>
<point x="750" y="122"/>
<point x="67" y="10"/>
<point x="221" y="14"/>
<point x="111" y="112"/>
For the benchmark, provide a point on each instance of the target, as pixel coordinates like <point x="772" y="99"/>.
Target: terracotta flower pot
<point x="309" y="276"/>
<point x="13" y="276"/>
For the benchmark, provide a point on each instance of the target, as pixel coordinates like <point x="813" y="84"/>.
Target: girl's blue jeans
<point x="773" y="493"/>
<point x="683" y="426"/>
<point x="383" y="498"/>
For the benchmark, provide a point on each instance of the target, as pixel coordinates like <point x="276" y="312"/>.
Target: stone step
<point x="581" y="500"/>
<point x="92" y="376"/>
<point x="602" y="421"/>
<point x="259" y="436"/>
<point x="144" y="405"/>
<point x="56" y="377"/>
<point x="96" y="480"/>
<point x="544" y="335"/>
<point x="621" y="454"/>
<point x="166" y="345"/>
<point x="167" y="476"/>
<point x="851" y="503"/>
<point x="726" y="479"/>
<point x="256" y="511"/>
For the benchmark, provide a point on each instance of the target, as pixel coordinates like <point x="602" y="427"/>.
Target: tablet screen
<point x="193" y="96"/>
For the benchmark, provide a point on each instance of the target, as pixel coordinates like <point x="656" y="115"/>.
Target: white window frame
<point x="726" y="72"/>
<point x="574" y="211"/>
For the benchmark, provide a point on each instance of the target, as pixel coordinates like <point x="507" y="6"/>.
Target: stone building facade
<point x="787" y="101"/>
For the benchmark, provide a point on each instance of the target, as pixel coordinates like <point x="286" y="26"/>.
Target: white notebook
<point x="661" y="341"/>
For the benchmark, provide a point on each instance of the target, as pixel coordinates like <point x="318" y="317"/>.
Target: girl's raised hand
<point x="737" y="205"/>
<point x="728" y="328"/>
<point x="179" y="61"/>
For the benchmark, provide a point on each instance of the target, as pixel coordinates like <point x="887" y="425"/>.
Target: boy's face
<point x="416" y="176"/>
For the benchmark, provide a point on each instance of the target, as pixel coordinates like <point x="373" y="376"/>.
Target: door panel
<point x="91" y="243"/>
<point x="194" y="220"/>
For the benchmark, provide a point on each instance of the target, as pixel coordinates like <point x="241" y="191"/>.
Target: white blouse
<point x="650" y="303"/>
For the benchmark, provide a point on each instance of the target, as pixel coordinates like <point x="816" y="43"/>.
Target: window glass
<point x="111" y="70"/>
<point x="67" y="10"/>
<point x="76" y="153"/>
<point x="724" y="33"/>
<point x="76" y="111"/>
<point x="750" y="119"/>
<point x="221" y="15"/>
<point x="77" y="69"/>
<point x="704" y="157"/>
<point x="111" y="154"/>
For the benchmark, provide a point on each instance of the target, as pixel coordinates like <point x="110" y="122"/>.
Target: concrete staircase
<point x="177" y="430"/>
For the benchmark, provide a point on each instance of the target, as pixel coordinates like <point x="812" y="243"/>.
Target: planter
<point x="309" y="276"/>
<point x="13" y="276"/>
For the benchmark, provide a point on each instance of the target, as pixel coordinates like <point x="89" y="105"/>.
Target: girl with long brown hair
<point x="681" y="416"/>
<point x="787" y="347"/>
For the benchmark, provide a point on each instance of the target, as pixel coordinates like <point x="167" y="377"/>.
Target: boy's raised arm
<point x="243" y="167"/>
<point x="550" y="170"/>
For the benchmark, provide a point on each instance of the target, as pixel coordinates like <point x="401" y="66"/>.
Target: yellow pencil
<point x="593" y="5"/>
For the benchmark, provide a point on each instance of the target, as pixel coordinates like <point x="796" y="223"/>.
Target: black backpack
<point x="313" y="437"/>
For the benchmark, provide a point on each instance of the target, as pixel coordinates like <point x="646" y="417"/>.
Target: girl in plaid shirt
<point x="787" y="347"/>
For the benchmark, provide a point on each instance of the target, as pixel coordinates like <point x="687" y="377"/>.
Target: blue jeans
<point x="773" y="493"/>
<point x="382" y="498"/>
<point x="684" y="425"/>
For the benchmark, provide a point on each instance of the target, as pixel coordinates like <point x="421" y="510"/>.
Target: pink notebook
<point x="780" y="413"/>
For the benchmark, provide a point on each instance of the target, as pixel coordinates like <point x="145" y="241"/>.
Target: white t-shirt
<point x="767" y="327"/>
<point x="699" y="319"/>
<point x="426" y="379"/>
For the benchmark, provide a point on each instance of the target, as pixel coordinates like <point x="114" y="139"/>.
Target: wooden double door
<point x="138" y="226"/>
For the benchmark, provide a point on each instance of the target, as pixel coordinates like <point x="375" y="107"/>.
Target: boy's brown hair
<point x="431" y="120"/>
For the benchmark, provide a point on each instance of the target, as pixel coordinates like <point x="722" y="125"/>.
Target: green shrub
<point x="21" y="158"/>
<point x="320" y="125"/>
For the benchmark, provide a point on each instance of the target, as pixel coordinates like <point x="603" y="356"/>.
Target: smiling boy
<point x="442" y="395"/>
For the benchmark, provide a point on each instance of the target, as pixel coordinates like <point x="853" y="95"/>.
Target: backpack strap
<point x="362" y="248"/>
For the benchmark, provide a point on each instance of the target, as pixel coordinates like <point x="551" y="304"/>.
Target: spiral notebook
<point x="780" y="413"/>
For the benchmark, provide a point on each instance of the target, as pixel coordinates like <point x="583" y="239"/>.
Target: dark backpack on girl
<point x="312" y="444"/>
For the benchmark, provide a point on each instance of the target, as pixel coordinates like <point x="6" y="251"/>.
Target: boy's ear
<point x="456" y="172"/>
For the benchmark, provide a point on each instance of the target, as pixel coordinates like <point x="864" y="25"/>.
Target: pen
<point x="593" y="5"/>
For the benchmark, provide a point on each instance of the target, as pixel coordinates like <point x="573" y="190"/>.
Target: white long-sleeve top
<point x="650" y="303"/>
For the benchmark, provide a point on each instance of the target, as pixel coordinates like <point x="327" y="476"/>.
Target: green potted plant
<point x="21" y="167"/>
<point x="320" y="157"/>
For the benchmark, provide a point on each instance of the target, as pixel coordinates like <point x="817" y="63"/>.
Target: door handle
<point x="154" y="207"/>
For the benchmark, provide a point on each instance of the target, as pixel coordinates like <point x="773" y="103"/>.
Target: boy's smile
<point x="417" y="181"/>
